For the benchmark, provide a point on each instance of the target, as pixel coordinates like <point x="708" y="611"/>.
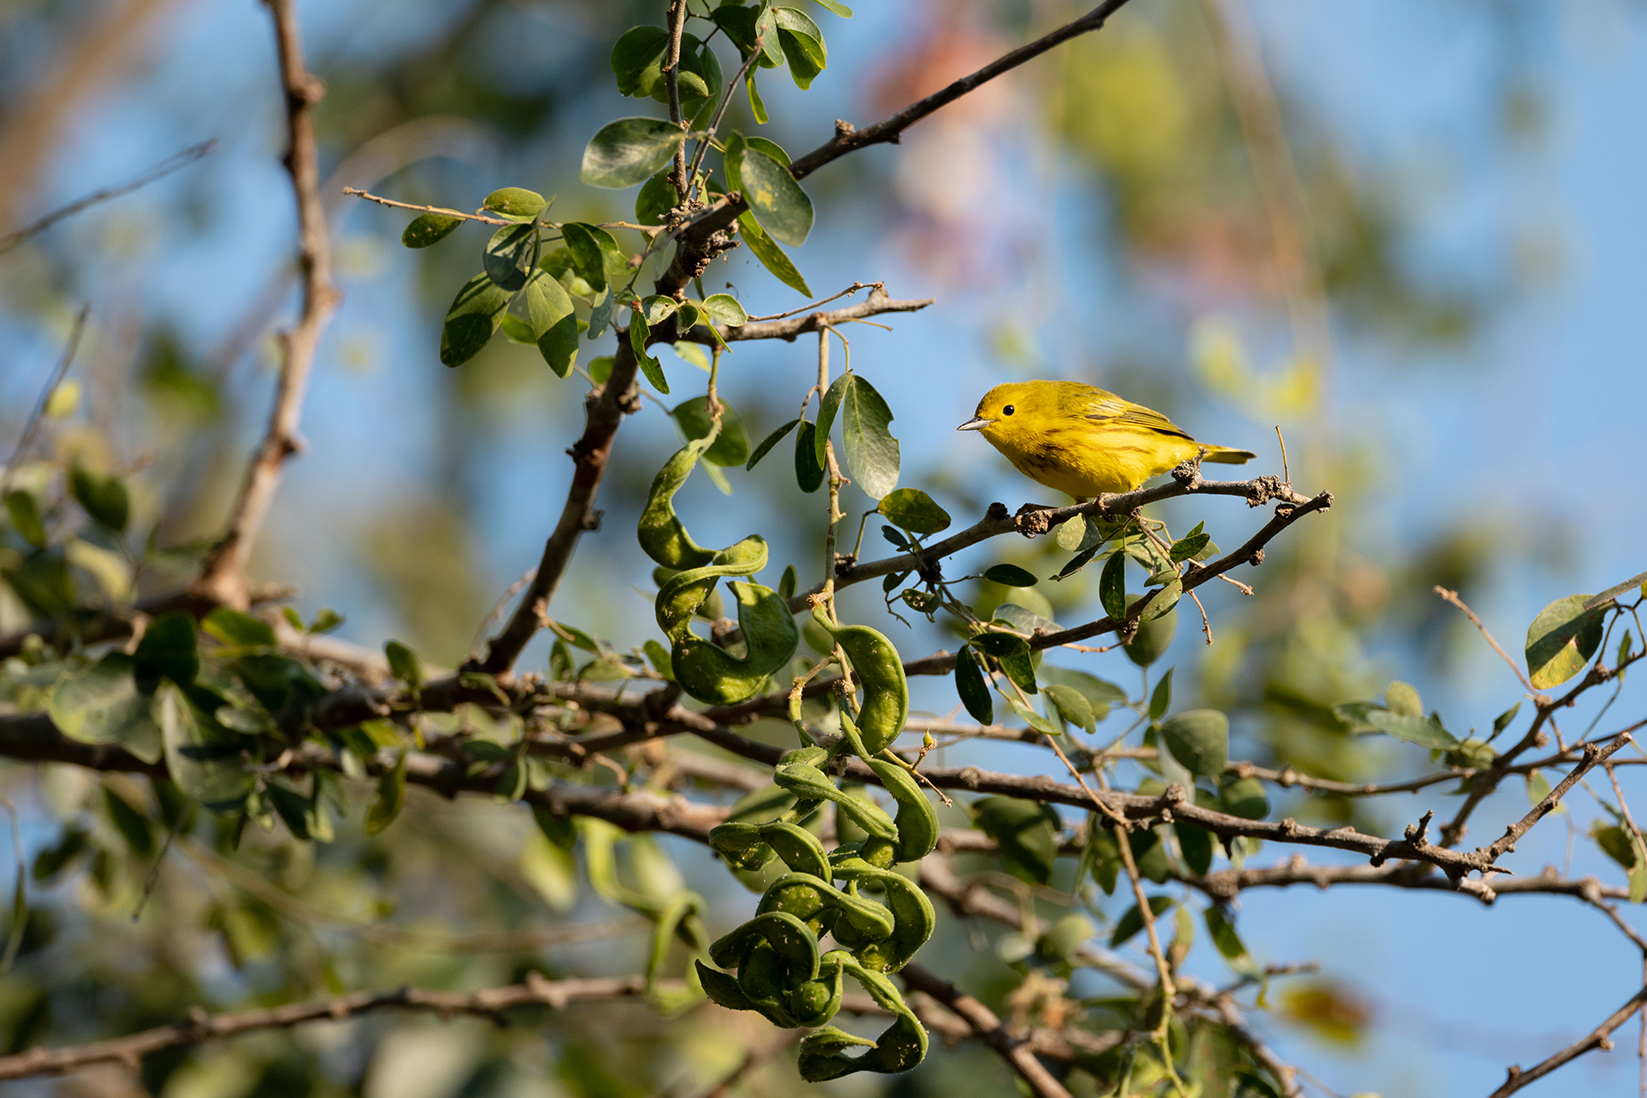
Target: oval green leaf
<point x="970" y="685"/>
<point x="429" y="228"/>
<point x="778" y="202"/>
<point x="915" y="511"/>
<point x="625" y="152"/>
<point x="1010" y="575"/>
<point x="1562" y="639"/>
<point x="1200" y="739"/>
<point x="769" y="442"/>
<point x="515" y="202"/>
<point x="510" y="255"/>
<point x="472" y="320"/>
<point x="731" y="446"/>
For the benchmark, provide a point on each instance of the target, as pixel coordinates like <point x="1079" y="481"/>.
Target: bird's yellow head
<point x="1012" y="410"/>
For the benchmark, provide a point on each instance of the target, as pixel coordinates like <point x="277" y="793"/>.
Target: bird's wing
<point x="1112" y="409"/>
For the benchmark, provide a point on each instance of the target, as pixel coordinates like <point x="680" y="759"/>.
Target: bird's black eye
<point x="1008" y="410"/>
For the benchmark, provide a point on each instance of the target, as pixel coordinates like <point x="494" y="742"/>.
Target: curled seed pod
<point x="880" y="671"/>
<point x="661" y="533"/>
<point x="751" y="846"/>
<point x="900" y="1046"/>
<point x="807" y="898"/>
<point x="810" y="783"/>
<point x="911" y="910"/>
<point x="704" y="669"/>
<point x="917" y="820"/>
<point x="817" y="1001"/>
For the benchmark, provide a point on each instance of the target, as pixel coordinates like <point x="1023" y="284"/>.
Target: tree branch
<point x="989" y="1029"/>
<point x="847" y="139"/>
<point x="605" y="407"/>
<point x="1598" y="1038"/>
<point x="32" y="428"/>
<point x="222" y="580"/>
<point x="202" y="1027"/>
<point x="701" y="242"/>
<point x="164" y="168"/>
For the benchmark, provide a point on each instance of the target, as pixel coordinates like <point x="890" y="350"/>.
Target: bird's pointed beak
<point x="976" y="424"/>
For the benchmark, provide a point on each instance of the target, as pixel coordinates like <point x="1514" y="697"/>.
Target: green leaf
<point x="625" y="152"/>
<point x="769" y="442"/>
<point x="1100" y="695"/>
<point x="637" y="59"/>
<point x="1562" y="639"/>
<point x="772" y="257"/>
<point x="1244" y="797"/>
<point x="1133" y="921"/>
<point x="828" y="407"/>
<point x="1154" y="636"/>
<point x="1402" y="698"/>
<point x="1502" y="721"/>
<point x="1223" y="935"/>
<point x="553" y="324"/>
<point x="650" y="367"/>
<point x="510" y="255"/>
<point x="777" y="201"/>
<point x="770" y="148"/>
<point x="871" y="451"/>
<point x="655" y="199"/>
<point x="472" y="320"/>
<point x="1615" y="843"/>
<point x="915" y="511"/>
<point x="1199" y="739"/>
<point x="238" y="630"/>
<point x="391" y="795"/>
<point x="802" y="44"/>
<point x="725" y="309"/>
<point x="1160" y="699"/>
<point x="1426" y="732"/>
<point x="1195" y="843"/>
<point x="170" y="648"/>
<point x="404" y="664"/>
<point x="1025" y="833"/>
<point x="1010" y="575"/>
<point x="1112" y="588"/>
<point x="429" y="228"/>
<point x="104" y="498"/>
<point x="809" y="471"/>
<point x="1190" y="546"/>
<point x="1071" y="705"/>
<point x="837" y="7"/>
<point x="595" y="256"/>
<point x="970" y="686"/>
<point x="731" y="446"/>
<point x="25" y="517"/>
<point x="1035" y="720"/>
<point x="205" y="760"/>
<point x="515" y="202"/>
<point x="101" y="704"/>
<point x="1012" y="653"/>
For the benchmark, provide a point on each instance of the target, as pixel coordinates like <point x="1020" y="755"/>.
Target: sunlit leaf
<point x="871" y="452"/>
<point x="1562" y="639"/>
<point x="472" y="320"/>
<point x="429" y="228"/>
<point x="1198" y="738"/>
<point x="626" y="152"/>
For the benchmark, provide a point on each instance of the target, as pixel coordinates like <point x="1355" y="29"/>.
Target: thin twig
<point x="164" y="168"/>
<point x="989" y="1028"/>
<point x="1598" y="1038"/>
<point x="202" y="1027"/>
<point x="38" y="417"/>
<point x="222" y="578"/>
<point x="1515" y="668"/>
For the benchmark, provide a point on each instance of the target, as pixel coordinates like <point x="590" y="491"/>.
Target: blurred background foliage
<point x="1097" y="216"/>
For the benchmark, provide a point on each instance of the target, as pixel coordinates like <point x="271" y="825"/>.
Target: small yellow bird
<point x="1082" y="440"/>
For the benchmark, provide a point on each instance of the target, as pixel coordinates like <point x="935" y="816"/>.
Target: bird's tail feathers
<point x="1224" y="455"/>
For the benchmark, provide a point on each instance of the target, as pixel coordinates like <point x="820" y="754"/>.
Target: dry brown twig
<point x="222" y="579"/>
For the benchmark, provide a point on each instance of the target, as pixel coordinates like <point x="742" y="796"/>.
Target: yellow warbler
<point x="1082" y="440"/>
